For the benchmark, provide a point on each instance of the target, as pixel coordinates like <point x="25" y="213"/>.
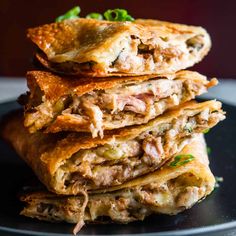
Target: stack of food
<point x="111" y="131"/>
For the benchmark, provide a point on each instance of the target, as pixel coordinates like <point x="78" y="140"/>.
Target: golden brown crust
<point x="54" y="86"/>
<point x="174" y="28"/>
<point x="92" y="34"/>
<point x="87" y="40"/>
<point x="85" y="32"/>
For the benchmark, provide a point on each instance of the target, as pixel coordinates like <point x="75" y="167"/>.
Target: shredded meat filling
<point x="153" y="150"/>
<point x="113" y="108"/>
<point x="148" y="56"/>
<point x="123" y="205"/>
<point x="113" y="164"/>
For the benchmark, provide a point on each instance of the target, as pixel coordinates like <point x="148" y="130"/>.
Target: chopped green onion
<point x="188" y="127"/>
<point x="59" y="106"/>
<point x="214" y="111"/>
<point x="181" y="160"/>
<point x="117" y="15"/>
<point x="218" y="180"/>
<point x="165" y="39"/>
<point x="113" y="154"/>
<point x="95" y="15"/>
<point x="111" y="15"/>
<point x="129" y="18"/>
<point x="206" y="131"/>
<point x="71" y="14"/>
<point x="208" y="150"/>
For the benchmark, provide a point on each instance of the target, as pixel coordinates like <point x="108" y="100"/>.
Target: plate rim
<point x="193" y="231"/>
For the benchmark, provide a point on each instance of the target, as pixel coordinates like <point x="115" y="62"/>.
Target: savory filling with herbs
<point x="132" y="55"/>
<point x="137" y="55"/>
<point x="121" y="106"/>
<point x="119" y="161"/>
<point x="122" y="206"/>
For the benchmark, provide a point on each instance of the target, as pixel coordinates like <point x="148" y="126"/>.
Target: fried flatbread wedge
<point x="89" y="105"/>
<point x="67" y="163"/>
<point x="104" y="48"/>
<point x="168" y="190"/>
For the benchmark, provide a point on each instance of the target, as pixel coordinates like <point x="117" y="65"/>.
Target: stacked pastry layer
<point x="110" y="126"/>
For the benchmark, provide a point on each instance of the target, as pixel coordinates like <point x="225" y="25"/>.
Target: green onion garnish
<point x="181" y="160"/>
<point x="111" y="15"/>
<point x="71" y="14"/>
<point x="218" y="180"/>
<point x="206" y="131"/>
<point x="117" y="15"/>
<point x="95" y="15"/>
<point x="188" y="127"/>
<point x="208" y="150"/>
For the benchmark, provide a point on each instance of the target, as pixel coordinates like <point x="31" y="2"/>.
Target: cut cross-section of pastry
<point x="168" y="190"/>
<point x="67" y="163"/>
<point x="89" y="105"/>
<point x="105" y="48"/>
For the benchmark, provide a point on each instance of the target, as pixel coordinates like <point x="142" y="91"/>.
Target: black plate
<point x="216" y="215"/>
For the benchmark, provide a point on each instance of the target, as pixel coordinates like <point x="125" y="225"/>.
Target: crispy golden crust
<point x="54" y="86"/>
<point x="87" y="40"/>
<point x="46" y="153"/>
<point x="67" y="206"/>
<point x="84" y="32"/>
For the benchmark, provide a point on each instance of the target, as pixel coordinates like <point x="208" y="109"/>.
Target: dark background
<point x="218" y="17"/>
